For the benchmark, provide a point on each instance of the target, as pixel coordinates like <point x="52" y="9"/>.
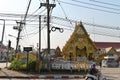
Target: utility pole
<point x="2" y="39"/>
<point x="39" y="55"/>
<point x="17" y="43"/>
<point x="48" y="6"/>
<point x="19" y="28"/>
<point x="48" y="25"/>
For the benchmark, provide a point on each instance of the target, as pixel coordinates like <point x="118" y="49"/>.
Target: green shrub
<point x="11" y="58"/>
<point x="21" y="65"/>
<point x="16" y="64"/>
<point x="32" y="65"/>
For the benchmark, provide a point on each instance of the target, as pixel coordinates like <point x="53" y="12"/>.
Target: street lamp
<point x="13" y="36"/>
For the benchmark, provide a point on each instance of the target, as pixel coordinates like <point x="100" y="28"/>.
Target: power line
<point x="36" y="16"/>
<point x="98" y="33"/>
<point x="61" y="24"/>
<point x="90" y="7"/>
<point x="24" y="20"/>
<point x="105" y="3"/>
<point x="105" y="34"/>
<point x="34" y="12"/>
<point x="40" y="1"/>
<point x="96" y="5"/>
<point x="87" y="23"/>
<point x="102" y="26"/>
<point x="62" y="9"/>
<point x="73" y="21"/>
<point x="55" y="19"/>
<point x="64" y="12"/>
<point x="33" y="33"/>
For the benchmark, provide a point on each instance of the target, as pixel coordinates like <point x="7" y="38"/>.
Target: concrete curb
<point x="46" y="77"/>
<point x="61" y="77"/>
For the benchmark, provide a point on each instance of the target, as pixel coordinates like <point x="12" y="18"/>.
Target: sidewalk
<point x="4" y="73"/>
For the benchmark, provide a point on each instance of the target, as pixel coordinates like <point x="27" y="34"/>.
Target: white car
<point x="104" y="63"/>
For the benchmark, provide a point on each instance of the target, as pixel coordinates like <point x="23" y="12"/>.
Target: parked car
<point x="112" y="63"/>
<point x="104" y="63"/>
<point x="109" y="63"/>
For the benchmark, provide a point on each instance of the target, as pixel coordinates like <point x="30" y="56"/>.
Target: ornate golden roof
<point x="79" y="43"/>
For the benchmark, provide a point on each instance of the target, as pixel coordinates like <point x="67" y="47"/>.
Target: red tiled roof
<point x="115" y="45"/>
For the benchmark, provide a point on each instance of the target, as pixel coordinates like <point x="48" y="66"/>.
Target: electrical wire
<point x="62" y="9"/>
<point x="64" y="12"/>
<point x="105" y="3"/>
<point x="105" y="34"/>
<point x="34" y="32"/>
<point x="101" y="26"/>
<point x="98" y="33"/>
<point x="96" y="5"/>
<point x="36" y="16"/>
<point x="90" y="7"/>
<point x="55" y="18"/>
<point x="60" y="24"/>
<point x="40" y="1"/>
<point x="86" y="23"/>
<point x="43" y="0"/>
<point x="24" y="19"/>
<point x="33" y="12"/>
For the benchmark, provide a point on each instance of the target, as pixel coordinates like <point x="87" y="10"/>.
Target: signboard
<point x="27" y="49"/>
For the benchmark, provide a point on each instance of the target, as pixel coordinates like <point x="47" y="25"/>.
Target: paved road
<point x="110" y="73"/>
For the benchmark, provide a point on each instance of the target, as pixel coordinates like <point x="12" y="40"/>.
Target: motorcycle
<point x="99" y="76"/>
